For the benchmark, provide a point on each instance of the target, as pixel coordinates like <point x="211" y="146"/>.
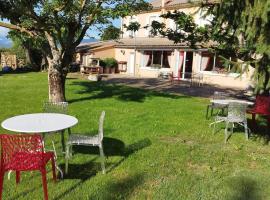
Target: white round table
<point x="39" y="123"/>
<point x="227" y="101"/>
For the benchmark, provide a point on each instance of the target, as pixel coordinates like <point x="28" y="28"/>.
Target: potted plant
<point x="110" y="65"/>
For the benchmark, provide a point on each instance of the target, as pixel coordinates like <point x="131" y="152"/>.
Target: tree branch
<point x="18" y="28"/>
<point x="90" y="20"/>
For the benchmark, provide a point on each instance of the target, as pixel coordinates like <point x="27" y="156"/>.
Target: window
<point x="212" y="63"/>
<point x="157" y="59"/>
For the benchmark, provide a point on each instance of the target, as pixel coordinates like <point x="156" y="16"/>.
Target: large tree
<point x="236" y="28"/>
<point x="61" y="25"/>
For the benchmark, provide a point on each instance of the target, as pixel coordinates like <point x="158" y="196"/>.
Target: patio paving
<point x="164" y="85"/>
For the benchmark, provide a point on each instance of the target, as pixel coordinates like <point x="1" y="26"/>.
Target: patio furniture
<point x="55" y="107"/>
<point x="215" y="105"/>
<point x="42" y="123"/>
<point x="196" y="79"/>
<point x="88" y="141"/>
<point x="236" y="115"/>
<point x="261" y="107"/>
<point x="174" y="78"/>
<point x="24" y="153"/>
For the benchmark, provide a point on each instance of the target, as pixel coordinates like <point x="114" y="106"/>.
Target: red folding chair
<point x="24" y="152"/>
<point x="261" y="107"/>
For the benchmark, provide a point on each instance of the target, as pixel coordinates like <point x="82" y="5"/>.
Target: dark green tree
<point x="61" y="25"/>
<point x="110" y="33"/>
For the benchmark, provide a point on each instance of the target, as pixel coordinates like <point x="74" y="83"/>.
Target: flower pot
<point x="107" y="70"/>
<point x="112" y="70"/>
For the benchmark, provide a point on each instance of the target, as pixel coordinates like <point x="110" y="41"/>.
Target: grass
<point x="159" y="146"/>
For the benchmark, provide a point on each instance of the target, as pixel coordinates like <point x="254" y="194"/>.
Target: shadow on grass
<point x="260" y="130"/>
<point x="101" y="90"/>
<point x="244" y="188"/>
<point x="121" y="189"/>
<point x="112" y="147"/>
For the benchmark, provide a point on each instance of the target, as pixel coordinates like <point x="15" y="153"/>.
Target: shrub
<point x="108" y="62"/>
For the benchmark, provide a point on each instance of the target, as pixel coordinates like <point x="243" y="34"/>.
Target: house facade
<point x="149" y="56"/>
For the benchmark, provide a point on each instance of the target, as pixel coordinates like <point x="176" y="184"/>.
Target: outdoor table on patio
<point x="227" y="101"/>
<point x="41" y="123"/>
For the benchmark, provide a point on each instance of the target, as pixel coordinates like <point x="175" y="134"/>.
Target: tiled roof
<point x="140" y="43"/>
<point x="173" y="3"/>
<point x="147" y="43"/>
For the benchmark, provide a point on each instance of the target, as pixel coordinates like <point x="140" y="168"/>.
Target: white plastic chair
<point x="84" y="140"/>
<point x="236" y="115"/>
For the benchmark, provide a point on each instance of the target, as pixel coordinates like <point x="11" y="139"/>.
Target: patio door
<point x="187" y="68"/>
<point x="131" y="62"/>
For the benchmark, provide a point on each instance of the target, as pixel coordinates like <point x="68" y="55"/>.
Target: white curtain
<point x="205" y="62"/>
<point x="145" y="58"/>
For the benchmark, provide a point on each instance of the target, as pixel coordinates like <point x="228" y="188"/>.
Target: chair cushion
<point x="84" y="140"/>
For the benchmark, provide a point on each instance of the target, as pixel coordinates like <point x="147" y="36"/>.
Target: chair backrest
<point x="55" y="107"/>
<point x="220" y="95"/>
<point x="237" y="112"/>
<point x="20" y="145"/>
<point x="262" y="104"/>
<point x="100" y="126"/>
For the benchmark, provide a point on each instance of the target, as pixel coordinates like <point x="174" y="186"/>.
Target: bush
<point x="108" y="62"/>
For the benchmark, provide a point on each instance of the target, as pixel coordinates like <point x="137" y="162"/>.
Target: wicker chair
<point x="55" y="107"/>
<point x="62" y="108"/>
<point x="88" y="141"/>
<point x="24" y="153"/>
<point x="236" y="115"/>
<point x="212" y="106"/>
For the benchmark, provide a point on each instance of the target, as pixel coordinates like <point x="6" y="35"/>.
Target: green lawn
<point x="159" y="146"/>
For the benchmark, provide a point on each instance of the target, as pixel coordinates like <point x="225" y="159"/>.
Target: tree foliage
<point x="133" y="26"/>
<point x="110" y="33"/>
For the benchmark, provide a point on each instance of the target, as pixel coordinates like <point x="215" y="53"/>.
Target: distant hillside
<point x="6" y="43"/>
<point x="89" y="40"/>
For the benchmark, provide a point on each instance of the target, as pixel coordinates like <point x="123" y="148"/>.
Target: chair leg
<point x="2" y="174"/>
<point x="226" y="132"/>
<point x="212" y="110"/>
<point x="102" y="159"/>
<point x="18" y="177"/>
<point x="44" y="183"/>
<point x="67" y="157"/>
<point x="53" y="168"/>
<point x="246" y="130"/>
<point x="63" y="140"/>
<point x="207" y="110"/>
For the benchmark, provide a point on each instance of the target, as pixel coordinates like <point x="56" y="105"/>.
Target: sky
<point x="5" y="42"/>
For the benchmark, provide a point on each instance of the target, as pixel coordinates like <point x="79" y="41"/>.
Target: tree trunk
<point x="56" y="80"/>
